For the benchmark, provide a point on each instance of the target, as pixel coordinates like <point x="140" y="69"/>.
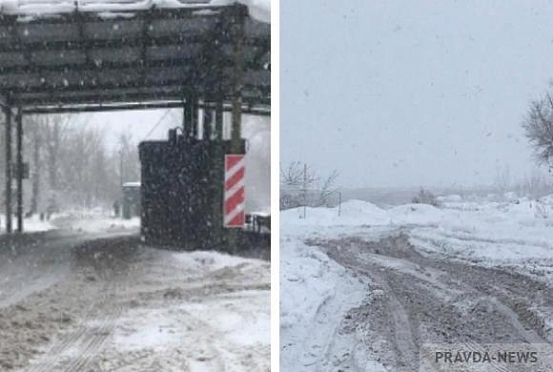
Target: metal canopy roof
<point x="88" y="59"/>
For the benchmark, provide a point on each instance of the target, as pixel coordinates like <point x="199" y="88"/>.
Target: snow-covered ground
<point x="94" y="222"/>
<point x="514" y="234"/>
<point x="89" y="297"/>
<point x="33" y="224"/>
<point x="83" y="221"/>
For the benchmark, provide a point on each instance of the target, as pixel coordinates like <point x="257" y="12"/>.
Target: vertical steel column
<point x="238" y="77"/>
<point x="237" y="34"/>
<point x="188" y="109"/>
<point x="219" y="169"/>
<point x="195" y="117"/>
<point x="8" y="162"/>
<point x="219" y="118"/>
<point x="207" y="123"/>
<point x="19" y="167"/>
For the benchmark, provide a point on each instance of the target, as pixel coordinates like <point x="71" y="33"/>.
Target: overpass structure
<point x="85" y="56"/>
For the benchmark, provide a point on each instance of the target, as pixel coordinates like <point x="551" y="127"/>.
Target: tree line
<point x="71" y="164"/>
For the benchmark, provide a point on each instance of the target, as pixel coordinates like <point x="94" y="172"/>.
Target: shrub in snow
<point x="426" y="197"/>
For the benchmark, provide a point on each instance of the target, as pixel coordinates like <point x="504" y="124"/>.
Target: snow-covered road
<point x="92" y="302"/>
<point x="388" y="281"/>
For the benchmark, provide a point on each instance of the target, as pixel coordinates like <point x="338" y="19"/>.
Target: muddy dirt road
<point x="105" y="303"/>
<point x="414" y="299"/>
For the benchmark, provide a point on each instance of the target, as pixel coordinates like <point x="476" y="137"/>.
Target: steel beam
<point x="190" y="12"/>
<point x="258" y="111"/>
<point x="114" y="43"/>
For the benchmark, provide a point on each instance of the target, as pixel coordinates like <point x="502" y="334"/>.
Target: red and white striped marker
<point x="235" y="171"/>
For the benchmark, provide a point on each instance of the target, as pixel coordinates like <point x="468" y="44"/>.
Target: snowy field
<point x="323" y="284"/>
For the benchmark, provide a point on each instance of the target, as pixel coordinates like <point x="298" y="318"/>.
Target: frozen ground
<point x="468" y="272"/>
<point x="96" y="300"/>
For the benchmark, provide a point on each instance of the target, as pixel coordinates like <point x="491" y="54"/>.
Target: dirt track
<point x="108" y="304"/>
<point x="415" y="300"/>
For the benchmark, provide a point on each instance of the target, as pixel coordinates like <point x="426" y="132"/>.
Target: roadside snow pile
<point x="33" y="224"/>
<point x="316" y="292"/>
<point x="93" y="221"/>
<point x="416" y="214"/>
<point x="315" y="295"/>
<point x="517" y="233"/>
<point x="105" y="224"/>
<point x="352" y="213"/>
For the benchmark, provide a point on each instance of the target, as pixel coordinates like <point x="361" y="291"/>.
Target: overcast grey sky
<point x="410" y="93"/>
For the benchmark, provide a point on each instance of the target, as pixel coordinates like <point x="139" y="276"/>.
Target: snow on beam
<point x="258" y="9"/>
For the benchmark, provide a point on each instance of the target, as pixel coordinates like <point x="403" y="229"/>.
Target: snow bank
<point x="33" y="224"/>
<point x="105" y="224"/>
<point x="315" y="294"/>
<point x="517" y="232"/>
<point x="315" y="291"/>
<point x="352" y="213"/>
<point x="93" y="221"/>
<point x="416" y="214"/>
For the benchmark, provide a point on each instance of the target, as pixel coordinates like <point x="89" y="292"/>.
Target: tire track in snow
<point x="428" y="299"/>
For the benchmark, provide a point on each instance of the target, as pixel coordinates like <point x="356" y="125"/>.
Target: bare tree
<point x="297" y="174"/>
<point x="538" y="127"/>
<point x="328" y="188"/>
<point x="301" y="184"/>
<point x="129" y="161"/>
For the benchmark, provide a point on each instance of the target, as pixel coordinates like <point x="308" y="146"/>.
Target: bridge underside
<point x="195" y="56"/>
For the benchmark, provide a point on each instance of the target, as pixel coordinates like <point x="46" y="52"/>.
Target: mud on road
<point x="414" y="299"/>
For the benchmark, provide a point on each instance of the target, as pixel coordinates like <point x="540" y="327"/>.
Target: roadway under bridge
<point x="202" y="58"/>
